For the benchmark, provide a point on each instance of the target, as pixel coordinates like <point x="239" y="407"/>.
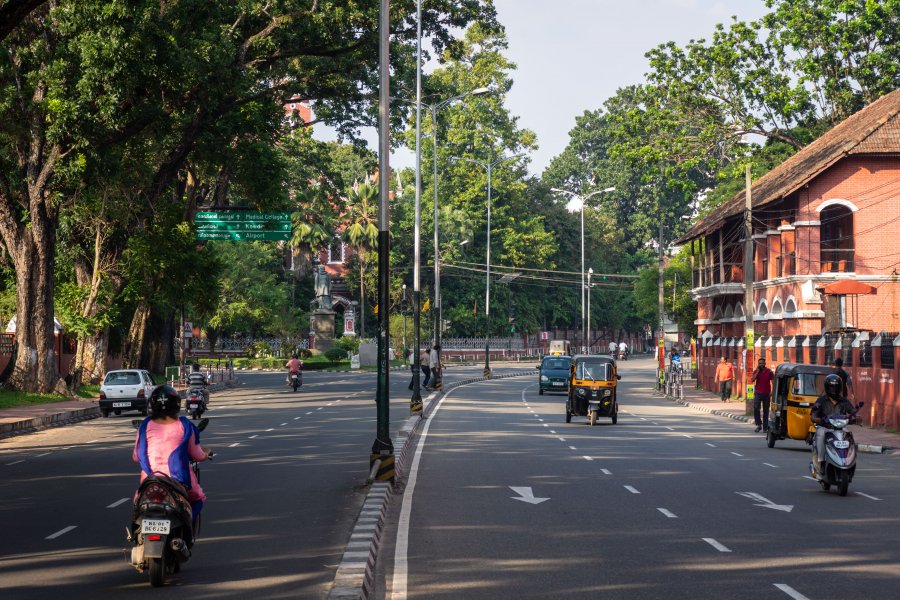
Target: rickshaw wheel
<point x="825" y="485"/>
<point x="593" y="418"/>
<point x="568" y="416"/>
<point x="615" y="417"/>
<point x="843" y="483"/>
<point x="770" y="439"/>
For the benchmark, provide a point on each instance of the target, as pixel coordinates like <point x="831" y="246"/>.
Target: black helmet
<point x="165" y="399"/>
<point x="833" y="385"/>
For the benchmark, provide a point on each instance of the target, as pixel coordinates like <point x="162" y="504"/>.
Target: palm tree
<point x="361" y="234"/>
<point x="314" y="224"/>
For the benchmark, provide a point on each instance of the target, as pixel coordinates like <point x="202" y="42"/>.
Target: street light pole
<point x="588" y="340"/>
<point x="415" y="402"/>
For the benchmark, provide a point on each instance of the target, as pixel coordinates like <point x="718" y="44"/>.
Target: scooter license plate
<point x="841" y="444"/>
<point x="121" y="404"/>
<point x="156" y="526"/>
<point x="193" y="406"/>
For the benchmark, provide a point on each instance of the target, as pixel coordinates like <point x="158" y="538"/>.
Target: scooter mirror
<point x="618" y="377"/>
<point x="860" y="404"/>
<point x="201" y="425"/>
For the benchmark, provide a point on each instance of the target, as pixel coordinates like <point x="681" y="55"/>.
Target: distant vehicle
<point x="553" y="374"/>
<point x="126" y="389"/>
<point x="560" y="348"/>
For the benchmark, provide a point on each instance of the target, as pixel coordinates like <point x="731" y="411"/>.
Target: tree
<point x="361" y="234"/>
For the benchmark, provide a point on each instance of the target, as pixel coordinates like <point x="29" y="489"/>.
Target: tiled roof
<point x="873" y="130"/>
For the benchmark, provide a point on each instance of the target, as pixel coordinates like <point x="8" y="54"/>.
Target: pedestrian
<point x="437" y="368"/>
<point x="846" y="380"/>
<point x="411" y="358"/>
<point x="424" y="359"/>
<point x="724" y="377"/>
<point x="762" y="378"/>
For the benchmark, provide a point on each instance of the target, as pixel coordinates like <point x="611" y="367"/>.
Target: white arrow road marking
<point x="765" y="502"/>
<point x="63" y="531"/>
<point x="118" y="502"/>
<point x="716" y="545"/>
<point x="790" y="591"/>
<point x="867" y="496"/>
<point x="526" y="495"/>
<point x="668" y="513"/>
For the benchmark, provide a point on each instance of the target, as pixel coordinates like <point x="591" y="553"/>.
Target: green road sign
<point x="243" y="226"/>
<point x="239" y="216"/>
<point x="244" y="236"/>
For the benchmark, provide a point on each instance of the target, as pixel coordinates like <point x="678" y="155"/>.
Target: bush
<point x="335" y="354"/>
<point x="304" y="353"/>
<point x="350" y="343"/>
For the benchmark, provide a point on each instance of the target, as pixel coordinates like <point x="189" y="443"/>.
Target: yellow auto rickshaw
<point x="794" y="390"/>
<point x="592" y="388"/>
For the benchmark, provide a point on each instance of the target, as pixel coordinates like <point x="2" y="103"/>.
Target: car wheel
<point x="118" y="412"/>
<point x="104" y="412"/>
<point x="540" y="391"/>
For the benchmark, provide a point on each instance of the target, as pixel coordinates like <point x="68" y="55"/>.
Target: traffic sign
<point x="243" y="225"/>
<point x="244" y="236"/>
<point x="242" y="215"/>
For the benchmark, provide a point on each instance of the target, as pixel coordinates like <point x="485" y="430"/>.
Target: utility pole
<point x="383" y="448"/>
<point x="661" y="344"/>
<point x="415" y="402"/>
<point x="749" y="338"/>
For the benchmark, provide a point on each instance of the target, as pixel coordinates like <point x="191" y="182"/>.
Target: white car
<point x="125" y="389"/>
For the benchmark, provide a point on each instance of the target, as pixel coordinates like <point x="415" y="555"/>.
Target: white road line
<point x="296" y="418"/>
<point x="867" y="496"/>
<point x="63" y="531"/>
<point x="572" y="448"/>
<point x="643" y="419"/>
<point x="254" y="435"/>
<point x="267" y="430"/>
<point x="668" y="513"/>
<point x="736" y="454"/>
<point x="541" y="420"/>
<point x="553" y="432"/>
<point x="283" y="424"/>
<point x="15" y="463"/>
<point x="118" y="502"/>
<point x="810" y="478"/>
<point x="710" y="445"/>
<point x="670" y="429"/>
<point x="587" y="458"/>
<point x="562" y="439"/>
<point x="310" y="412"/>
<point x="771" y="465"/>
<point x="631" y="489"/>
<point x="687" y="436"/>
<point x="90" y="442"/>
<point x="790" y="591"/>
<point x="716" y="545"/>
<point x="606" y="471"/>
<point x="234" y="445"/>
<point x="320" y="408"/>
<point x="40" y="455"/>
<point x="546" y="425"/>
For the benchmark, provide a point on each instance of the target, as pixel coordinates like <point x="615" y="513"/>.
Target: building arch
<point x="790" y="306"/>
<point x="837" y="202"/>
<point x="717" y="314"/>
<point x="777" y="307"/>
<point x="836" y="243"/>
<point x="763" y="309"/>
<point x="729" y="311"/>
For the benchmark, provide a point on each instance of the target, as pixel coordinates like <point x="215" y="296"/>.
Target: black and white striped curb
<point x="355" y="577"/>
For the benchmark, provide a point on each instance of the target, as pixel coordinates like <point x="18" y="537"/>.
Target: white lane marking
<point x="790" y="591"/>
<point x="296" y="418"/>
<point x="668" y="513"/>
<point x="320" y="408"/>
<point x="15" y="463"/>
<point x="62" y="531"/>
<point x="736" y="454"/>
<point x="541" y="420"/>
<point x="234" y="445"/>
<point x="687" y="436"/>
<point x="118" y="502"/>
<point x="309" y="413"/>
<point x="267" y="430"/>
<point x="283" y="424"/>
<point x="606" y="471"/>
<point x="40" y="455"/>
<point x="90" y="442"/>
<point x="710" y="445"/>
<point x="771" y="465"/>
<point x="254" y="435"/>
<point x="670" y="429"/>
<point x="643" y="419"/>
<point x="562" y="439"/>
<point x="572" y="448"/>
<point x="631" y="489"/>
<point x="553" y="432"/>
<point x="867" y="496"/>
<point x="546" y="425"/>
<point x="810" y="478"/>
<point x="587" y="458"/>
<point x="716" y="545"/>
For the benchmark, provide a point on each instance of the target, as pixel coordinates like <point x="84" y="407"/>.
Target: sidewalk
<point x="27" y="419"/>
<point x="869" y="440"/>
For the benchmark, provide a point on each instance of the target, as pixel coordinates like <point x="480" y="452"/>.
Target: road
<point x="506" y="500"/>
<point x="284" y="491"/>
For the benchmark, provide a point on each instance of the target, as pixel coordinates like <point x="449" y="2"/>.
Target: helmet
<point x="164" y="399"/>
<point x="833" y="385"/>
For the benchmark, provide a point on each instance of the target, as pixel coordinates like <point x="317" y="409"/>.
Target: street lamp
<point x="488" y="166"/>
<point x="582" y="200"/>
<point x="590" y="272"/>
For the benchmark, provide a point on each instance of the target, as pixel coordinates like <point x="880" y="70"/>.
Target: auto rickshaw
<point x="592" y="388"/>
<point x="794" y="390"/>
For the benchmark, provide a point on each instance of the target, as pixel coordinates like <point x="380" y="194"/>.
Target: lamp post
<point x="588" y="340"/>
<point x="488" y="166"/>
<point x="582" y="200"/>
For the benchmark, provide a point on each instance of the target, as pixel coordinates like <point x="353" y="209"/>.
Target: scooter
<point x="840" y="454"/>
<point x="296" y="380"/>
<point x="623" y="355"/>
<point x="196" y="402"/>
<point x="163" y="528"/>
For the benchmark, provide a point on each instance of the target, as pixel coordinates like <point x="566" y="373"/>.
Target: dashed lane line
<point x="867" y="496"/>
<point x="771" y="465"/>
<point x="667" y="513"/>
<point x="268" y="430"/>
<point x="572" y="448"/>
<point x="670" y="429"/>
<point x="310" y="412"/>
<point x="632" y="489"/>
<point x="716" y="545"/>
<point x="553" y="432"/>
<point x="587" y="458"/>
<point x="234" y="445"/>
<point x="687" y="436"/>
<point x="62" y="531"/>
<point x="118" y="502"/>
<point x="790" y="591"/>
<point x="296" y="418"/>
<point x="283" y="424"/>
<point x="15" y="463"/>
<point x="710" y="445"/>
<point x="255" y="435"/>
<point x="562" y="439"/>
<point x="606" y="471"/>
<point x="40" y="455"/>
<point x="737" y="454"/>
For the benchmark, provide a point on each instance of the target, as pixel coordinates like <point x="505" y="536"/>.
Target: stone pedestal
<point x="321" y="323"/>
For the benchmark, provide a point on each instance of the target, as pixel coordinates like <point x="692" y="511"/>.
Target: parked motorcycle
<point x="163" y="529"/>
<point x="840" y="454"/>
<point x="196" y="402"/>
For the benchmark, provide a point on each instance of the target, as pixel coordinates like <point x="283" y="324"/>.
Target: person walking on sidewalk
<point x="762" y="378"/>
<point x="437" y="368"/>
<point x="724" y="377"/>
<point x="424" y="359"/>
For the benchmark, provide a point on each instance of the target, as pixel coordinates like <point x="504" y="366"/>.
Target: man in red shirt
<point x="762" y="378"/>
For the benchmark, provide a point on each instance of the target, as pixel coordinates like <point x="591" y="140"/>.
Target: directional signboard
<point x="243" y="225"/>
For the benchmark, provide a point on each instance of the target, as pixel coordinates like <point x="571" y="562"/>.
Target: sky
<point x="574" y="54"/>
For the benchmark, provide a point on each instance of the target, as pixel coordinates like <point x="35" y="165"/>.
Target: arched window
<point x="776" y="307"/>
<point x="791" y="306"/>
<point x="836" y="239"/>
<point x="763" y="308"/>
<point x="729" y="312"/>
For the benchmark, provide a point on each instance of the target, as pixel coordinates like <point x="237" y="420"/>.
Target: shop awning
<point x="848" y="287"/>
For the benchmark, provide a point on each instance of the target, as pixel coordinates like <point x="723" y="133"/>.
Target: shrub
<point x="335" y="354"/>
<point x="350" y="343"/>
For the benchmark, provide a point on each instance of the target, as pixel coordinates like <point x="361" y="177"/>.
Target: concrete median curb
<point x="355" y="576"/>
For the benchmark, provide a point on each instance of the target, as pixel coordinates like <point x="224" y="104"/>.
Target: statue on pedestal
<point x="322" y="286"/>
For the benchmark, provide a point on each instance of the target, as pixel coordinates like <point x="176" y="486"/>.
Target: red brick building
<point x="826" y="232"/>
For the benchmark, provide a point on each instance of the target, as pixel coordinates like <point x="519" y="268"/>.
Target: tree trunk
<point x="133" y="350"/>
<point x="362" y="302"/>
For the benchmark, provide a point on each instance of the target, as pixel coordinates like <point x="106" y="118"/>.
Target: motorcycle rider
<point x="166" y="443"/>
<point x="828" y="404"/>
<point x="612" y="348"/>
<point x="293" y="366"/>
<point x="623" y="350"/>
<point x="197" y="381"/>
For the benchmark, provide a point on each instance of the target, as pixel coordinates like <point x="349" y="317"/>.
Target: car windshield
<point x="595" y="371"/>
<point x="123" y="378"/>
<point x="556" y="363"/>
<point x="808" y="384"/>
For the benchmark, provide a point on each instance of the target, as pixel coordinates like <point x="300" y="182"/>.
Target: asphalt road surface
<point x="506" y="500"/>
<point x="284" y="491"/>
